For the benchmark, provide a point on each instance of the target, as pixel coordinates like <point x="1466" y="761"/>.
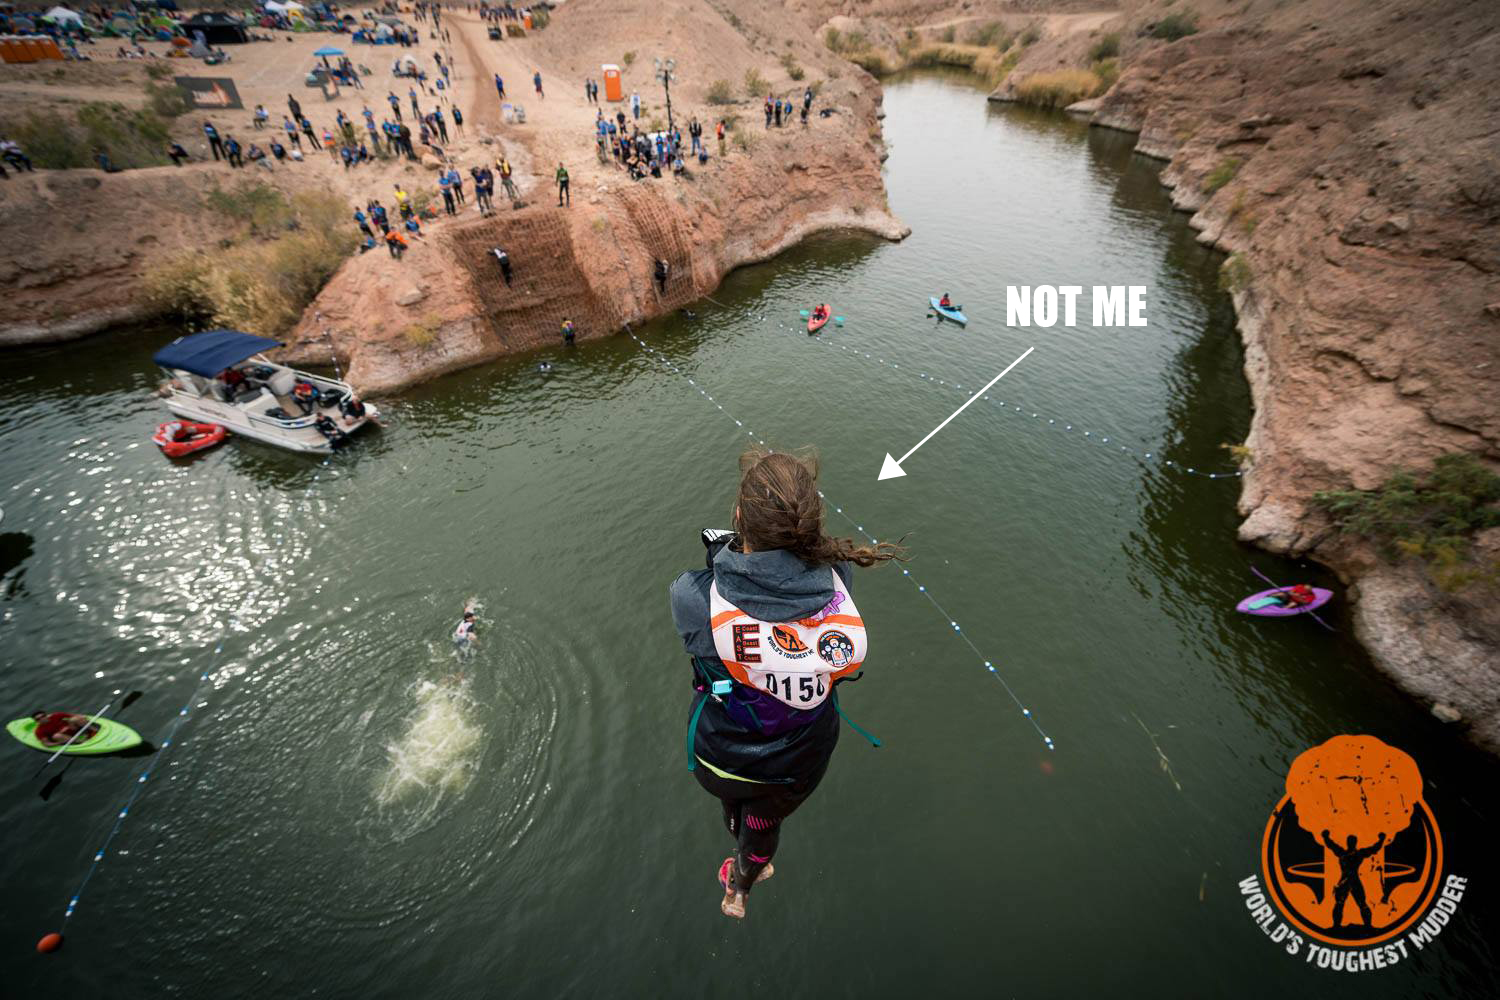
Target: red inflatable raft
<point x="183" y="437"/>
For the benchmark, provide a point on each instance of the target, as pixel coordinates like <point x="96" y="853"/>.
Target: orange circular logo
<point x="1352" y="855"/>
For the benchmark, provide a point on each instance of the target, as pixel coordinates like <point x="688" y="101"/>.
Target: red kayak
<point x="183" y="437"/>
<point x="815" y="322"/>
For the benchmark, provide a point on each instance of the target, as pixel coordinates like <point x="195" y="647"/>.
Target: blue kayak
<point x="952" y="314"/>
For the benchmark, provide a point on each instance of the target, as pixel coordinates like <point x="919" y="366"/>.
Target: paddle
<point x="1280" y="587"/>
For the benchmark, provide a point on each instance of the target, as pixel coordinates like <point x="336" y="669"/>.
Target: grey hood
<point x="774" y="586"/>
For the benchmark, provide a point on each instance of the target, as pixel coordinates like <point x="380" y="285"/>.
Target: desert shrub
<point x="258" y="285"/>
<point x="1031" y="35"/>
<point x="1433" y="518"/>
<point x="844" y="42"/>
<point x="1108" y="71"/>
<point x="165" y="99"/>
<point x="627" y="59"/>
<point x="743" y="140"/>
<point x="1175" y="26"/>
<point x="1221" y="174"/>
<point x="132" y="138"/>
<point x="989" y="33"/>
<point x="755" y="84"/>
<point x="260" y="207"/>
<point x="1107" y="47"/>
<point x="158" y="70"/>
<point x="721" y="92"/>
<point x="872" y="61"/>
<point x="423" y="333"/>
<point x="950" y="34"/>
<point x="540" y="18"/>
<point x="1235" y="274"/>
<point x="789" y="63"/>
<point x="1058" y="88"/>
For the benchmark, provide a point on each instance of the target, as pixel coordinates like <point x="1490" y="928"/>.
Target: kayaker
<point x="945" y="301"/>
<point x="1296" y="596"/>
<point x="56" y="728"/>
<point x="819" y="314"/>
<point x="771" y="628"/>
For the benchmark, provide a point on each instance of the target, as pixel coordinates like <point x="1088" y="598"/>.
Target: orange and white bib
<point x="794" y="662"/>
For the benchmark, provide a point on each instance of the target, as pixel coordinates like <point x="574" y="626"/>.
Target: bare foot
<point x="733" y="903"/>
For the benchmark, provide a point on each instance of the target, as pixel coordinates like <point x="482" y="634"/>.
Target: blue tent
<point x="209" y="353"/>
<point x="327" y="51"/>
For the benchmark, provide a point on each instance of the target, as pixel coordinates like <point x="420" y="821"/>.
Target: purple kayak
<point x="1270" y="609"/>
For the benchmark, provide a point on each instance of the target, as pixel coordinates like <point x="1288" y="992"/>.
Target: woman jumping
<point x="771" y="628"/>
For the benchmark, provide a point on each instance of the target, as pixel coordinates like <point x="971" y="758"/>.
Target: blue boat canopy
<point x="209" y="353"/>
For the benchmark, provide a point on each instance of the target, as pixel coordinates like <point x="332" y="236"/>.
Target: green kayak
<point x="111" y="737"/>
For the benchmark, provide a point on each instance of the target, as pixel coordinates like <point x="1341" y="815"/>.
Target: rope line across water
<point x="988" y="664"/>
<point x="139" y="785"/>
<point x="1140" y="455"/>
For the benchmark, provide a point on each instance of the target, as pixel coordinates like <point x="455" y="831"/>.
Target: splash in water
<point x="437" y="754"/>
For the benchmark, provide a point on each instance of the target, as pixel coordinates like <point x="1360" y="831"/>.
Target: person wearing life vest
<point x="819" y="313"/>
<point x="771" y="628"/>
<point x="54" y="729"/>
<point x="1296" y="596"/>
<point x="945" y="301"/>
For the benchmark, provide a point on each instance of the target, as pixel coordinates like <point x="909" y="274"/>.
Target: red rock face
<point x="594" y="262"/>
<point x="1346" y="156"/>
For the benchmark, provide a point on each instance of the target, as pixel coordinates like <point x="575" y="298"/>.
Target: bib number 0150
<point x="796" y="687"/>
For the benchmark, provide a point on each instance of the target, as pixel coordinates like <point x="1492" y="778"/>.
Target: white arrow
<point x="891" y="467"/>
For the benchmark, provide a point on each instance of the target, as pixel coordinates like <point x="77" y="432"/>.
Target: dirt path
<point x="1052" y="24"/>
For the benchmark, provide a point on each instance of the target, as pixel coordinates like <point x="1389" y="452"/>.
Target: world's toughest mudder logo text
<point x="1352" y="860"/>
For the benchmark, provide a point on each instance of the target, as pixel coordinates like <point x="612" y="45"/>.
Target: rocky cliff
<point x="1345" y="156"/>
<point x="398" y="322"/>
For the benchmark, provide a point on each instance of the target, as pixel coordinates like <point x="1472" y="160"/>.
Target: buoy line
<point x="1093" y="437"/>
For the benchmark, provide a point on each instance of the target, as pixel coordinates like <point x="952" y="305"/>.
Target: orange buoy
<point x="50" y="942"/>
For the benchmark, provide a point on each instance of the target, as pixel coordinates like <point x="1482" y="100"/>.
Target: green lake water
<point x="342" y="816"/>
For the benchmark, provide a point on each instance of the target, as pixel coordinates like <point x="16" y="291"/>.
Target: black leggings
<point x="753" y="813"/>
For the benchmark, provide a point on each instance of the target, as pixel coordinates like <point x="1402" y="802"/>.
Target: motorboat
<point x="221" y="377"/>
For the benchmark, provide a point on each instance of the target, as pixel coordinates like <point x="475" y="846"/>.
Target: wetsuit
<point x="760" y="757"/>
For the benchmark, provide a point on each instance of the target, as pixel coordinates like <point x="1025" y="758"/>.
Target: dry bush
<point x="721" y="92"/>
<point x="872" y="61"/>
<point x="258" y="285"/>
<point x="1058" y="88"/>
<point x="755" y="84"/>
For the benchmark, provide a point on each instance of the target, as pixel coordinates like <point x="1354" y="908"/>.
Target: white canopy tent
<point x="63" y="14"/>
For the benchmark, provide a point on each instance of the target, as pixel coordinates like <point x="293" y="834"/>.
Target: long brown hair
<point x="779" y="508"/>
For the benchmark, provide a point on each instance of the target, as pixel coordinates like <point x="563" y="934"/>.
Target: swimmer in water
<point x="463" y="635"/>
